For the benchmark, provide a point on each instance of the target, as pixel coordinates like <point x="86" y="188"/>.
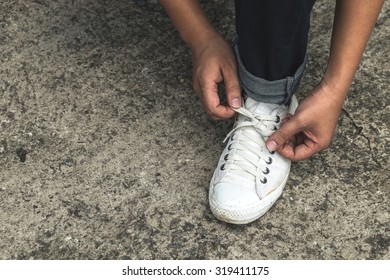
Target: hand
<point x="214" y="63"/>
<point x="311" y="128"/>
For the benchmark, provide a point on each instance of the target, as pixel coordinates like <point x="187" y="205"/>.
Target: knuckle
<point x="299" y="120"/>
<point x="232" y="86"/>
<point x="282" y="134"/>
<point x="211" y="113"/>
<point x="213" y="116"/>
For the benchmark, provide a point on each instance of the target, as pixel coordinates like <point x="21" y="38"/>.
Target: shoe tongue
<point x="260" y="107"/>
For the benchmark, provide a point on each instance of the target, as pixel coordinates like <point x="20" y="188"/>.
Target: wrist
<point x="333" y="90"/>
<point x="338" y="84"/>
<point x="198" y="41"/>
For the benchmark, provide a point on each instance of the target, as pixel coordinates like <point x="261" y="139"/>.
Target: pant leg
<point x="271" y="46"/>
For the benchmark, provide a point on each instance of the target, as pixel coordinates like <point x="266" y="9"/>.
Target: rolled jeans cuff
<point x="276" y="92"/>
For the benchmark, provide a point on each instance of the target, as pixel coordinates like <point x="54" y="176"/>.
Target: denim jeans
<point x="271" y="46"/>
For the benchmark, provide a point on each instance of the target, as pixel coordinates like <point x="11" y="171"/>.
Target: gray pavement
<point x="106" y="153"/>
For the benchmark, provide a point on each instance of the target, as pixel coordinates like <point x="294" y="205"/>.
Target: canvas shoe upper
<point x="249" y="178"/>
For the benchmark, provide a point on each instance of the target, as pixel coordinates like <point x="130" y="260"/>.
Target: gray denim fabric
<point x="277" y="92"/>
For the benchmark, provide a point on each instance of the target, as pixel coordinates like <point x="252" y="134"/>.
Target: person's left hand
<point x="311" y="128"/>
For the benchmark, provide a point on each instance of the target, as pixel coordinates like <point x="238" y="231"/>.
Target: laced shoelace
<point x="251" y="158"/>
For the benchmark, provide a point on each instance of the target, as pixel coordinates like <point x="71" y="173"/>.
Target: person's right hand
<point x="214" y="62"/>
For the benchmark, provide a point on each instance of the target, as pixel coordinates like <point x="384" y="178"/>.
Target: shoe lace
<point x="250" y="153"/>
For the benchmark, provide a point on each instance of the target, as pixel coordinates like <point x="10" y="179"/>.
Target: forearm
<point x="190" y="21"/>
<point x="352" y="27"/>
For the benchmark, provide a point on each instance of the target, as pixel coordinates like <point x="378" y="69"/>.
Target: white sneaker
<point x="249" y="178"/>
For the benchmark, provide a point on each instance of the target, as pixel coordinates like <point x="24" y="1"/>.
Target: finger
<point x="284" y="133"/>
<point x="212" y="103"/>
<point x="286" y="119"/>
<point x="232" y="87"/>
<point x="293" y="140"/>
<point x="299" y="152"/>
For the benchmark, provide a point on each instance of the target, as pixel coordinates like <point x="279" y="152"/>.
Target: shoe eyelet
<point x="232" y="137"/>
<point x="264" y="180"/>
<point x="223" y="167"/>
<point x="269" y="160"/>
<point x="230" y="147"/>
<point x="275" y="128"/>
<point x="272" y="152"/>
<point x="277" y="119"/>
<point x="226" y="157"/>
<point x="266" y="171"/>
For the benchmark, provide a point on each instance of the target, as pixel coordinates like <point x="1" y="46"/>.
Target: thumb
<point x="232" y="87"/>
<point x="283" y="134"/>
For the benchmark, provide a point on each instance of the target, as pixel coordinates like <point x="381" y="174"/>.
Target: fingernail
<point x="236" y="102"/>
<point x="271" y="145"/>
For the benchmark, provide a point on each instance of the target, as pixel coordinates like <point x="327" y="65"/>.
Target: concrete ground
<point x="106" y="153"/>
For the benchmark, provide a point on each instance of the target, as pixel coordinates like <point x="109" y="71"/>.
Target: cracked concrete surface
<point x="105" y="152"/>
